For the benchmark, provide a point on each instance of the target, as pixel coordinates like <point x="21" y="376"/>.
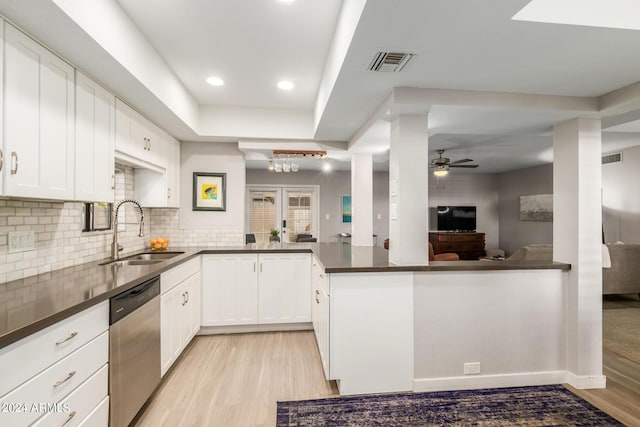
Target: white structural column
<point x="362" y="199"/>
<point x="577" y="239"/>
<point x="408" y="190"/>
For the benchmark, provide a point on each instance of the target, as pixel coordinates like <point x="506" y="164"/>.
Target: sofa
<point x="623" y="277"/>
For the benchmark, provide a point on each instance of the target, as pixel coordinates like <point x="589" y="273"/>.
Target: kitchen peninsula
<point x="388" y="327"/>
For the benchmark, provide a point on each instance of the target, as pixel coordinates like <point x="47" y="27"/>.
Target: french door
<point x="290" y="210"/>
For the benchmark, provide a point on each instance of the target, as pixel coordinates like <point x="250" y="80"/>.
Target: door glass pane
<point x="298" y="214"/>
<point x="263" y="214"/>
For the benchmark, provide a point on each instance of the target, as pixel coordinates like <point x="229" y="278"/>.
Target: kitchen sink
<point x="152" y="256"/>
<point x="123" y="262"/>
<point x="147" y="258"/>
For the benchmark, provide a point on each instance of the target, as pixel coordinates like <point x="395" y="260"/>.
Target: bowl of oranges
<point x="159" y="243"/>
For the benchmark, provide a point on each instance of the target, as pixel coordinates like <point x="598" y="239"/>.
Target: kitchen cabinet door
<point x="38" y="120"/>
<point x="229" y="289"/>
<point x="138" y="141"/>
<point x="156" y="144"/>
<point x="173" y="173"/>
<point x="194" y="306"/>
<point x="129" y="139"/>
<point x="95" y="141"/>
<point x="171" y="327"/>
<point x="323" y="329"/>
<point x="284" y="288"/>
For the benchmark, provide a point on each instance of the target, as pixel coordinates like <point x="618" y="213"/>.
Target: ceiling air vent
<point x="390" y="62"/>
<point x="612" y="158"/>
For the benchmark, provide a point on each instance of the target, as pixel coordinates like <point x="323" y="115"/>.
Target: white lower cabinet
<point x="66" y="382"/>
<point x="251" y="289"/>
<point x="284" y="288"/>
<point x="179" y="311"/>
<point x="320" y="313"/>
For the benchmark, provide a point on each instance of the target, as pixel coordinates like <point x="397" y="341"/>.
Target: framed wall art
<point x="536" y="207"/>
<point x="209" y="191"/>
<point x="346" y="208"/>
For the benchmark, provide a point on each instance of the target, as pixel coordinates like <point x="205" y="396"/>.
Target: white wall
<point x="468" y="190"/>
<point x="332" y="186"/>
<point x="517" y="332"/>
<point x="511" y="185"/>
<point x="621" y="198"/>
<point x="219" y="158"/>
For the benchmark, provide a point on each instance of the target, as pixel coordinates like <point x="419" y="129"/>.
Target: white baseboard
<point x="238" y="329"/>
<point x="469" y="382"/>
<point x="586" y="381"/>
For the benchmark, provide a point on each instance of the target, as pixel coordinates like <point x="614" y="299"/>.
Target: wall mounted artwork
<point x="209" y="191"/>
<point x="346" y="208"/>
<point x="536" y="207"/>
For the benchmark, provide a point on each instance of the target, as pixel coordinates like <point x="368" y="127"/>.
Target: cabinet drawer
<point x="56" y="382"/>
<point x="99" y="417"/>
<point x="460" y="247"/>
<point x="169" y="279"/>
<point x="50" y="345"/>
<point x="80" y="403"/>
<point x="461" y="237"/>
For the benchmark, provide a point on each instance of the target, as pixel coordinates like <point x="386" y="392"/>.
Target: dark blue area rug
<point x="551" y="405"/>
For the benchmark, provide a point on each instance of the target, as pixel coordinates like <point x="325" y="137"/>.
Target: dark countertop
<point x="344" y="258"/>
<point x="31" y="304"/>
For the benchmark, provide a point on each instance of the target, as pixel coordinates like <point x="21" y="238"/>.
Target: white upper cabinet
<point x="138" y="141"/>
<point x="95" y="141"/>
<point x="173" y="173"/>
<point x="38" y="120"/>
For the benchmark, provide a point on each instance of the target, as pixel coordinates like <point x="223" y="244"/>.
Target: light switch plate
<point x="21" y="241"/>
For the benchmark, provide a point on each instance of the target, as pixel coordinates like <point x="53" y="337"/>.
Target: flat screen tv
<point x="457" y="218"/>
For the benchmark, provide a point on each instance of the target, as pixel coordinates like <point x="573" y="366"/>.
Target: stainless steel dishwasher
<point x="134" y="350"/>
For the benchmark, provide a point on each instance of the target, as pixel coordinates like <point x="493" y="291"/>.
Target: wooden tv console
<point x="467" y="245"/>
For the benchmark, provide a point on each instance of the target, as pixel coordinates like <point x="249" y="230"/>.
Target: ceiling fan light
<point x="441" y="171"/>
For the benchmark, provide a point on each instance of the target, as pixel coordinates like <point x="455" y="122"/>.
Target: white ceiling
<point x="250" y="44"/>
<point x="165" y="50"/>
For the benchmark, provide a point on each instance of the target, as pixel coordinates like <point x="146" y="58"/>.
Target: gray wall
<point x="332" y="185"/>
<point x="621" y="198"/>
<point x="511" y="185"/>
<point x="460" y="189"/>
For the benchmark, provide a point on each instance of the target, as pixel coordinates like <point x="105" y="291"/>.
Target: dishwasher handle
<point x="125" y="303"/>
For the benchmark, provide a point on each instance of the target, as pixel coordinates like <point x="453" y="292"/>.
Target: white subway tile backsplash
<point x="60" y="242"/>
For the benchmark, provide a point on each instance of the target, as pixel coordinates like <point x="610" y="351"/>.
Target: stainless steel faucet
<point x="115" y="247"/>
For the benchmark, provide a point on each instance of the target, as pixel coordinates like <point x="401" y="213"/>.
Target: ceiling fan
<point x="441" y="165"/>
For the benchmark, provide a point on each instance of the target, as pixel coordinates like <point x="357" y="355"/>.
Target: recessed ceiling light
<point x="286" y="1"/>
<point x="285" y="85"/>
<point x="215" y="81"/>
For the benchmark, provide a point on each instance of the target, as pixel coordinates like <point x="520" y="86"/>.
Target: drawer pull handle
<point x="71" y="415"/>
<point x="59" y="383"/>
<point x="64" y="340"/>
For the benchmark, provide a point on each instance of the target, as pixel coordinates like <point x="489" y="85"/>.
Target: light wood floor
<point x="236" y="380"/>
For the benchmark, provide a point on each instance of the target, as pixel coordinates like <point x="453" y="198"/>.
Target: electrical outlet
<point x="21" y="241"/>
<point x="472" y="368"/>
